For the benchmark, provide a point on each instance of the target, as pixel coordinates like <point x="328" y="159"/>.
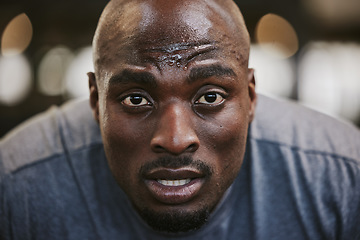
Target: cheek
<point x="125" y="143"/>
<point x="227" y="129"/>
<point x="225" y="139"/>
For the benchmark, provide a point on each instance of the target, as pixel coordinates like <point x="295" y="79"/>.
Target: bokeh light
<point x="15" y="79"/>
<point x="76" y="80"/>
<point x="51" y="71"/>
<point x="276" y="35"/>
<point x="274" y="76"/>
<point x="329" y="79"/>
<point x="334" y="13"/>
<point x="16" y="36"/>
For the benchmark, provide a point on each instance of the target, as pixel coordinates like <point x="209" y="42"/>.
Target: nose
<point x="174" y="132"/>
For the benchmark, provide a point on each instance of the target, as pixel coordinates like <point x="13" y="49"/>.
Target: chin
<point x="175" y="221"/>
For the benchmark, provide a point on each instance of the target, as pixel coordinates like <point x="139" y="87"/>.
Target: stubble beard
<point x="175" y="221"/>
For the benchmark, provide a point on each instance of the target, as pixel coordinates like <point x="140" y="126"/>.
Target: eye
<point x="135" y="101"/>
<point x="212" y="98"/>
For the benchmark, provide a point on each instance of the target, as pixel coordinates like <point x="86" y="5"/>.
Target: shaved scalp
<point x="124" y="24"/>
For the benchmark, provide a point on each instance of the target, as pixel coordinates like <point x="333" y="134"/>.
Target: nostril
<point x="158" y="148"/>
<point x="193" y="147"/>
<point x="173" y="148"/>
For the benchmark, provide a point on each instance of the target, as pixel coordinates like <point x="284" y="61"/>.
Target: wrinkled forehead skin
<point x="129" y="28"/>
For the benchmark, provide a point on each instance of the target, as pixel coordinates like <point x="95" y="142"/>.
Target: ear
<point x="94" y="95"/>
<point x="252" y="93"/>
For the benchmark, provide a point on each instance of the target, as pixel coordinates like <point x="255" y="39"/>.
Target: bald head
<point x="127" y="27"/>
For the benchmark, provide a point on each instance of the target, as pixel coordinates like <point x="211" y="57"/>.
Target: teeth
<point x="175" y="183"/>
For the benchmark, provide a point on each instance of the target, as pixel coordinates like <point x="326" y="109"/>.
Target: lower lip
<point x="174" y="194"/>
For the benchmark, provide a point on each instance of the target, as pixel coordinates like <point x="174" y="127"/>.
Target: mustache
<point x="176" y="162"/>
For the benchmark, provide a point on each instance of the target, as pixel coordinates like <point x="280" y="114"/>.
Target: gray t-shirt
<point x="300" y="180"/>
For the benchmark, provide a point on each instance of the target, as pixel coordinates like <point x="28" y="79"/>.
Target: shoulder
<point x="309" y="161"/>
<point x="289" y="124"/>
<point x="48" y="135"/>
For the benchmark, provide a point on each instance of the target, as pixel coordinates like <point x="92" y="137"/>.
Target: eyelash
<point x="127" y="101"/>
<point x="211" y="94"/>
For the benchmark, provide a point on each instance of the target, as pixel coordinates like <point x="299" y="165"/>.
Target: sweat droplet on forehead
<point x="178" y="54"/>
<point x="174" y="59"/>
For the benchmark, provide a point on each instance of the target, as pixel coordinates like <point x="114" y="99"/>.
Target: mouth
<point x="174" y="186"/>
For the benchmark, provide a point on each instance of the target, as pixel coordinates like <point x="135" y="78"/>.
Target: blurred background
<point x="303" y="50"/>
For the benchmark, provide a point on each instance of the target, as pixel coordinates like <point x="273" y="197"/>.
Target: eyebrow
<point x="209" y="71"/>
<point x="129" y="76"/>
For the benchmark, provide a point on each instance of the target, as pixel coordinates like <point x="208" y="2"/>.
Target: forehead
<point x="166" y="31"/>
<point x="170" y="21"/>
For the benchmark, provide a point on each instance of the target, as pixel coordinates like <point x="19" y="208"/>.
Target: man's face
<point x="174" y="106"/>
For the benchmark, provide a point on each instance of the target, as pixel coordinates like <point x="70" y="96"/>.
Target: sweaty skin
<point x="173" y="97"/>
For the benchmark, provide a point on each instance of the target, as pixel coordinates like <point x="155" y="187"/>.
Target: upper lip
<point x="173" y="174"/>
